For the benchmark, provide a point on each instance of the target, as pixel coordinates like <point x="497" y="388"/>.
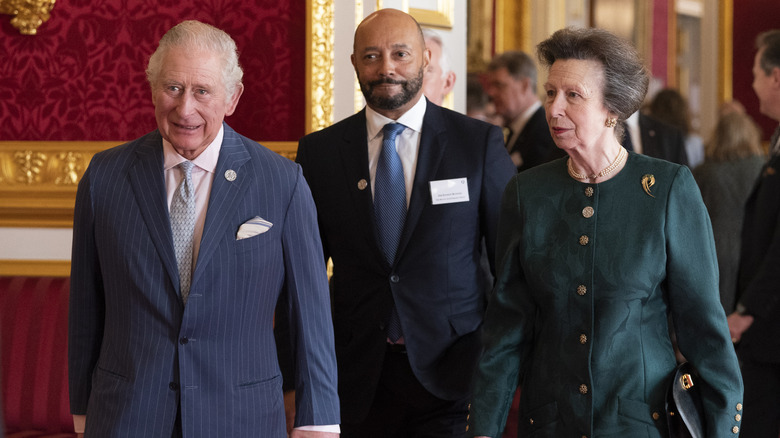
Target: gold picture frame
<point x="441" y="15"/>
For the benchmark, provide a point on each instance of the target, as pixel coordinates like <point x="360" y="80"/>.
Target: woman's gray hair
<point x="194" y="36"/>
<point x="625" y="75"/>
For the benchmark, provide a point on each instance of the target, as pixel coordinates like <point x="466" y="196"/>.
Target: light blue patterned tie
<point x="183" y="226"/>
<point x="390" y="206"/>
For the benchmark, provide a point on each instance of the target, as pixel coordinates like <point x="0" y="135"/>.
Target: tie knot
<point x="391" y="130"/>
<point x="186" y="167"/>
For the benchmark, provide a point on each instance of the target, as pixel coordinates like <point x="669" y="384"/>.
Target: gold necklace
<point x="604" y="172"/>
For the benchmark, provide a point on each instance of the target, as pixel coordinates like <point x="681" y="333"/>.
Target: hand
<point x="297" y="433"/>
<point x="289" y="410"/>
<point x="738" y="324"/>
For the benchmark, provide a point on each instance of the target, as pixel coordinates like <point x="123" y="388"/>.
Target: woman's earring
<point x="611" y="122"/>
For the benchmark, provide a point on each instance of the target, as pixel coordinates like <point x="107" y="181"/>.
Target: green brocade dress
<point x="587" y="274"/>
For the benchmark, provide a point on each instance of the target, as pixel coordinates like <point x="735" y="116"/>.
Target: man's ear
<point x="775" y="74"/>
<point x="233" y="102"/>
<point x="449" y="82"/>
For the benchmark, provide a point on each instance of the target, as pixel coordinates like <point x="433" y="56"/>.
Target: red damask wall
<point x="82" y="77"/>
<point x="751" y="17"/>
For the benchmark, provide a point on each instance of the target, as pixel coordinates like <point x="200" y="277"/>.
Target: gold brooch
<point x="647" y="182"/>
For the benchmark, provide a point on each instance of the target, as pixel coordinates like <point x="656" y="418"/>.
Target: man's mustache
<point x="387" y="81"/>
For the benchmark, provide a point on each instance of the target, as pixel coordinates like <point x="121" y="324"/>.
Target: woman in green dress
<point x="595" y="252"/>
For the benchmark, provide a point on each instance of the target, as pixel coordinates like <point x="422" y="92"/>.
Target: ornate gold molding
<point x="28" y="14"/>
<point x="320" y="80"/>
<point x="726" y="51"/>
<point x="35" y="268"/>
<point x="38" y="180"/>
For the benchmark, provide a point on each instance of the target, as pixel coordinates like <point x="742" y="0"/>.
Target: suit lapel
<point x="354" y="156"/>
<point x="147" y="180"/>
<point x="433" y="143"/>
<point x="225" y="197"/>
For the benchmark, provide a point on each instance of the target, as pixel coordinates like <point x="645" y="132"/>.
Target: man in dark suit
<point x="654" y="138"/>
<point x="405" y="191"/>
<point x="755" y="325"/>
<point x="511" y="85"/>
<point x="183" y="240"/>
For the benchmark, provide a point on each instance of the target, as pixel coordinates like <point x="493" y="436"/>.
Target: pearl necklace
<point x="604" y="172"/>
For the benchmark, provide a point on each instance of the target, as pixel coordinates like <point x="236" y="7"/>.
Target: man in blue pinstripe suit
<point x="156" y="352"/>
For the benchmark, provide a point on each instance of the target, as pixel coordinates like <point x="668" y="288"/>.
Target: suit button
<point x="173" y="386"/>
<point x="583" y="389"/>
<point x="583" y="338"/>
<point x="584" y="240"/>
<point x="582" y="290"/>
<point x="184" y="341"/>
<point x="656" y="416"/>
<point x="735" y="429"/>
<point x="587" y="212"/>
<point x="588" y="191"/>
<point x="394" y="279"/>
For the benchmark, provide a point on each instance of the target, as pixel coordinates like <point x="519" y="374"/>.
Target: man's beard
<point x="409" y="89"/>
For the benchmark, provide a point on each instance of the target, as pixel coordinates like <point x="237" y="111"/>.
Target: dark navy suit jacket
<point x="436" y="281"/>
<point x="136" y="353"/>
<point x="661" y="140"/>
<point x="535" y="143"/>
<point x="759" y="276"/>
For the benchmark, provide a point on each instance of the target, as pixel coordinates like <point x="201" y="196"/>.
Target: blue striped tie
<point x="183" y="227"/>
<point x="390" y="205"/>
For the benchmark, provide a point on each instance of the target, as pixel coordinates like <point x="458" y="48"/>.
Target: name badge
<point x="449" y="191"/>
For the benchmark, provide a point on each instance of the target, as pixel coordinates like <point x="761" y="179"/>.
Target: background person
<point x="594" y="252"/>
<point x="726" y="178"/>
<point x="755" y="325"/>
<point x="183" y="239"/>
<point x="511" y="85"/>
<point x="438" y="79"/>
<point x="671" y="107"/>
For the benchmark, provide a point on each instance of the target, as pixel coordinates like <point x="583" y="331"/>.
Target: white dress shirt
<point x="632" y="125"/>
<point x="407" y="144"/>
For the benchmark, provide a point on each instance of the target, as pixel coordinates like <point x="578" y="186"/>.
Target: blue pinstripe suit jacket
<point x="136" y="352"/>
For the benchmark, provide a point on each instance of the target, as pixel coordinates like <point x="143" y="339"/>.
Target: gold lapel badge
<point x="648" y="181"/>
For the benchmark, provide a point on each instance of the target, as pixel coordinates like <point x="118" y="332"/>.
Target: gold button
<point x="583" y="338"/>
<point x="735" y="429"/>
<point x="738" y="417"/>
<point x="362" y="184"/>
<point x="739" y="406"/>
<point x="582" y="290"/>
<point x="656" y="416"/>
<point x="587" y="212"/>
<point x="583" y="389"/>
<point x="583" y="240"/>
<point x="588" y="191"/>
<point x="531" y="420"/>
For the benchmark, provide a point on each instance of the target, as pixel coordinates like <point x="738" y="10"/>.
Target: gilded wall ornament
<point x="28" y="14"/>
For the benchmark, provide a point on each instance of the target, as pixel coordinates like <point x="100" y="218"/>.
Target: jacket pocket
<point x="467" y="322"/>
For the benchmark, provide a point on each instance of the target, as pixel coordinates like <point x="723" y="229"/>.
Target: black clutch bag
<point x="684" y="412"/>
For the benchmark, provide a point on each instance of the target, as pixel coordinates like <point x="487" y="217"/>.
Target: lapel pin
<point x="647" y="182"/>
<point x="230" y="175"/>
<point x="362" y="184"/>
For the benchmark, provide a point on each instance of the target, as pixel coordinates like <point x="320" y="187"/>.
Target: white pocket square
<point x="253" y="227"/>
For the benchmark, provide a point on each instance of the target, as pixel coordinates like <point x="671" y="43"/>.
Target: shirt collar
<point x="412" y="119"/>
<point x="519" y="123"/>
<point x="207" y="160"/>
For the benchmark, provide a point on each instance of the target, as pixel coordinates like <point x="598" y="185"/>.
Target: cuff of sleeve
<point x="79" y="421"/>
<point x="332" y="428"/>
